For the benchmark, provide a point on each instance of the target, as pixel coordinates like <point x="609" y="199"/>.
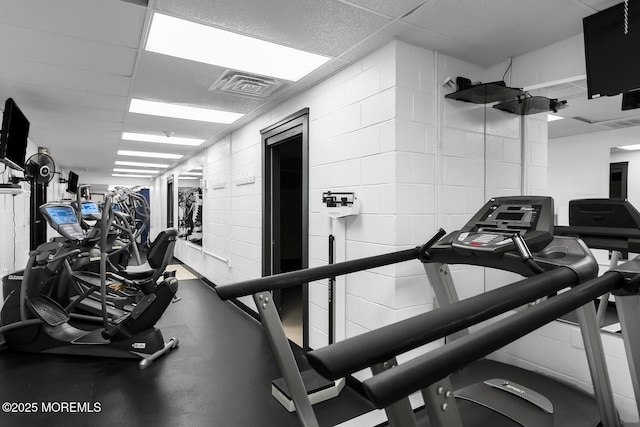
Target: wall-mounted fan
<point x="40" y="168"/>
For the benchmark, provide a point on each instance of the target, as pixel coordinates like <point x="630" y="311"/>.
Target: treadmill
<point x="609" y="224"/>
<point x="501" y="235"/>
<point x="512" y="234"/>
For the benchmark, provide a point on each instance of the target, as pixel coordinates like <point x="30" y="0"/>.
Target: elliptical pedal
<point x="48" y="310"/>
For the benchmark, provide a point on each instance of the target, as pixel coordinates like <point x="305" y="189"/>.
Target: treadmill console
<point x="62" y="218"/>
<point x="611" y="224"/>
<point x="491" y="229"/>
<point x="604" y="213"/>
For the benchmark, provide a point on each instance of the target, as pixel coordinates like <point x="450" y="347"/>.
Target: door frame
<point x="171" y="190"/>
<point x="623" y="169"/>
<point x="293" y="125"/>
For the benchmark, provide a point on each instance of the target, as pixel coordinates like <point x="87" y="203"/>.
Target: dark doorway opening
<point x="170" y="202"/>
<point x="618" y="173"/>
<point x="285" y="218"/>
<point x="287" y="229"/>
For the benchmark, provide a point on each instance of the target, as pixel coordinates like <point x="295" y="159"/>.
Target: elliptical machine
<point x="32" y="322"/>
<point x="79" y="288"/>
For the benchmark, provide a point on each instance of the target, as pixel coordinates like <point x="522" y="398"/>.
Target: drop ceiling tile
<point x="54" y="97"/>
<point x="426" y="39"/>
<point x="61" y="111"/>
<point x="113" y="22"/>
<point x="75" y="125"/>
<point x="68" y="52"/>
<point x="153" y="124"/>
<point x="48" y="75"/>
<point x="394" y="9"/>
<point x="175" y="71"/>
<point x="150" y="146"/>
<point x="334" y="26"/>
<point x="567" y="127"/>
<point x="29" y="95"/>
<point x="155" y="91"/>
<point x="599" y="109"/>
<point x="600" y="4"/>
<point x="504" y="27"/>
<point x="93" y="147"/>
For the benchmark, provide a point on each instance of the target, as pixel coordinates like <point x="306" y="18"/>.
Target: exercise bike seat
<point x="159" y="256"/>
<point x="138" y="272"/>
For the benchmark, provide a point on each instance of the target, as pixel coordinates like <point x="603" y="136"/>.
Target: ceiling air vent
<point x="621" y="123"/>
<point x="144" y="3"/>
<point x="613" y="123"/>
<point x="245" y="84"/>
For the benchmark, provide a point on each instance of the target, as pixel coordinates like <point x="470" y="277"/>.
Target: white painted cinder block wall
<point x="14" y="224"/>
<point x="382" y="129"/>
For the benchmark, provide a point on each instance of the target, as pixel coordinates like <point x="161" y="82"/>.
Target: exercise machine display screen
<point x="89" y="208"/>
<point x="62" y="218"/>
<point x="492" y="228"/>
<point x="61" y="215"/>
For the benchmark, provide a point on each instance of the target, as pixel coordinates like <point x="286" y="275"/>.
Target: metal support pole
<point x="332" y="292"/>
<point x="604" y="299"/>
<point x="445" y="291"/>
<point x="594" y="351"/>
<point x="629" y="315"/>
<point x="400" y="413"/>
<point x="285" y="359"/>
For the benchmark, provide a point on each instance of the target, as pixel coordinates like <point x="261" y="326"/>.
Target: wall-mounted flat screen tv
<point x="611" y="40"/>
<point x="13" y="137"/>
<point x="72" y="182"/>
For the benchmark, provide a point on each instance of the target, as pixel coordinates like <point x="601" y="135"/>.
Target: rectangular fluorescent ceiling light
<point x="141" y="164"/>
<point x="197" y="42"/>
<point x="147" y="171"/>
<point x="187" y="177"/>
<point x="176" y="111"/>
<point x="630" y="147"/>
<point x="127" y="175"/>
<point x="553" y="117"/>
<point x="191" y="173"/>
<point x="161" y="139"/>
<point x="149" y="154"/>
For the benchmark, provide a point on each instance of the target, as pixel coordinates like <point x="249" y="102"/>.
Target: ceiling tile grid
<point x="74" y="65"/>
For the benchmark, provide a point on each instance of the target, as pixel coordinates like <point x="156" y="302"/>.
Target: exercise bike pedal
<point x="48" y="310"/>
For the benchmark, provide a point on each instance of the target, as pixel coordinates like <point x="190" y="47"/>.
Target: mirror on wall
<point x="190" y="206"/>
<point x="624" y="171"/>
<point x="170" y="201"/>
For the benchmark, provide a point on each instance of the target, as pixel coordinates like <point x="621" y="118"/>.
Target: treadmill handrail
<point x="619" y="239"/>
<point x="377" y="346"/>
<point x="298" y="277"/>
<point x="295" y="278"/>
<point x="390" y="386"/>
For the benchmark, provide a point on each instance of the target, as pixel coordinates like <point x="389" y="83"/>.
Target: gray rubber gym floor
<point x="220" y="375"/>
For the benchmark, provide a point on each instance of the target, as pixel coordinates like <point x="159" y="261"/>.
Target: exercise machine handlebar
<point x="295" y="278"/>
<point x="365" y="350"/>
<point x="392" y="385"/>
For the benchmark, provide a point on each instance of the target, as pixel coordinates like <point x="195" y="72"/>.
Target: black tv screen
<point x="612" y="56"/>
<point x="72" y="182"/>
<point x="13" y="137"/>
<point x="631" y="100"/>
